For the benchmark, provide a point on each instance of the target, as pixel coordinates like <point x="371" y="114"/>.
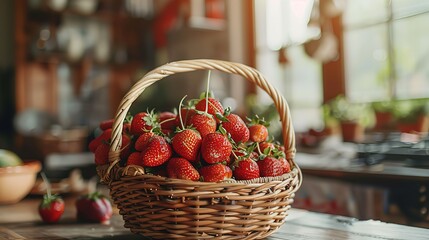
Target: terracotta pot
<point x="352" y="131"/>
<point x="421" y="125"/>
<point x="383" y="120"/>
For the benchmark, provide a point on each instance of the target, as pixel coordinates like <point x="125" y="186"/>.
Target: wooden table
<point x="21" y="221"/>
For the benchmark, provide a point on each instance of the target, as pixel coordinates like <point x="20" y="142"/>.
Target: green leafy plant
<point x="342" y="110"/>
<point x="384" y="106"/>
<point x="410" y="110"/>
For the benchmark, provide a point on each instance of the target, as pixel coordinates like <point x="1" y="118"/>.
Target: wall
<point x="6" y="73"/>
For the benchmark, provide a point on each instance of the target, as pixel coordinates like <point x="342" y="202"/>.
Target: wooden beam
<point x="333" y="72"/>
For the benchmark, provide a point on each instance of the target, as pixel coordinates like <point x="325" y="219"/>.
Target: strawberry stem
<point x="207" y="91"/>
<point x="235" y="155"/>
<point x="180" y="112"/>
<point x="48" y="185"/>
<point x="259" y="149"/>
<point x="167" y="120"/>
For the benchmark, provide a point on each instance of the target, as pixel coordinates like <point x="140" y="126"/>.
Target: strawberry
<point x="101" y="155"/>
<point x="182" y="169"/>
<point x="246" y="169"/>
<point x="94" y="207"/>
<point x="187" y="144"/>
<point x="216" y="148"/>
<point x="258" y="133"/>
<point x="266" y="145"/>
<point x="186" y="114"/>
<point x="135" y="159"/>
<point x="285" y="165"/>
<point x="270" y="167"/>
<point x="143" y="122"/>
<point x="104" y="137"/>
<point x="213" y="106"/>
<point x="125" y="146"/>
<point x="142" y="140"/>
<point x="204" y="123"/>
<point x="104" y="125"/>
<point x="51" y="208"/>
<point x="167" y="120"/>
<point x="157" y="152"/>
<point x="258" y="129"/>
<point x="235" y="126"/>
<point x="215" y="173"/>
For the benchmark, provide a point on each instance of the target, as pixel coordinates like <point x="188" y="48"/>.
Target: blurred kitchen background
<point x="355" y="75"/>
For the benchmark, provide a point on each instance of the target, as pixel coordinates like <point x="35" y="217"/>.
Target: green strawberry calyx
<point x="94" y="196"/>
<point x="48" y="199"/>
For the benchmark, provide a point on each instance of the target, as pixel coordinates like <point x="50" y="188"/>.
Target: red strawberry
<point x="215" y="173"/>
<point x="246" y="169"/>
<point x="167" y="120"/>
<point x="258" y="133"/>
<point x="213" y="106"/>
<point x="104" y="137"/>
<point x="216" y="148"/>
<point x="142" y="122"/>
<point x="182" y="169"/>
<point x="265" y="145"/>
<point x="135" y="159"/>
<point x="235" y="154"/>
<point x="125" y="146"/>
<point x="142" y="141"/>
<point x="187" y="144"/>
<point x="270" y="167"/>
<point x="104" y="125"/>
<point x="204" y="123"/>
<point x="101" y="155"/>
<point x="157" y="152"/>
<point x="51" y="208"/>
<point x="285" y="165"/>
<point x="94" y="207"/>
<point x="236" y="127"/>
<point x="186" y="114"/>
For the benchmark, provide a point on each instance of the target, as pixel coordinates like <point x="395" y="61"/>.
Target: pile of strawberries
<point x="203" y="142"/>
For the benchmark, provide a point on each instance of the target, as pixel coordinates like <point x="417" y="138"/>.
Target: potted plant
<point x="384" y="115"/>
<point x="352" y="118"/>
<point x="412" y="116"/>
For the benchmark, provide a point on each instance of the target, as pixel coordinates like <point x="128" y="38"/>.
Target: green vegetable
<point x="9" y="159"/>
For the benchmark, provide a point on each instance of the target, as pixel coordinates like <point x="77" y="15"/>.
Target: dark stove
<point x="408" y="149"/>
<point x="403" y="150"/>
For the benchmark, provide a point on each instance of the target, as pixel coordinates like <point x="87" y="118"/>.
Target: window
<point x="282" y="25"/>
<point x="386" y="53"/>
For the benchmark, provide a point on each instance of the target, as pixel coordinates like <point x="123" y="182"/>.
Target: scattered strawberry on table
<point x="52" y="206"/>
<point x="94" y="207"/>
<point x="203" y="141"/>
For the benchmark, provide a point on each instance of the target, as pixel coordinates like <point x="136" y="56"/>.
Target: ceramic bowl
<point x="17" y="181"/>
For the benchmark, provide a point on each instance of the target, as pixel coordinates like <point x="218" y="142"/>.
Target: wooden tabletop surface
<point x="21" y="221"/>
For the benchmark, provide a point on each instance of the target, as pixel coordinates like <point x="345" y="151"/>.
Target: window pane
<point x="409" y="7"/>
<point x="366" y="63"/>
<point x="411" y="47"/>
<point x="300" y="79"/>
<point x="306" y="85"/>
<point x="365" y="12"/>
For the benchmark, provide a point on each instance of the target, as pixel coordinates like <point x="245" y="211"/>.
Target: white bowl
<point x="17" y="181"/>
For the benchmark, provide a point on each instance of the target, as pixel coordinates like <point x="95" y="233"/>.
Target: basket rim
<point x="135" y="171"/>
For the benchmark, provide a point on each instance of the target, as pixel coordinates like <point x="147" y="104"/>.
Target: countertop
<point x="21" y="221"/>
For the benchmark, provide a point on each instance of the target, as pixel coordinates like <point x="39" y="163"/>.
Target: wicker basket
<point x="165" y="208"/>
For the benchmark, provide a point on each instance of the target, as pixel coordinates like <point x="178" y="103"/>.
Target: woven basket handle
<point x="168" y="69"/>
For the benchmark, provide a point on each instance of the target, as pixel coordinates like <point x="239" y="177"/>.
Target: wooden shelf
<point x="36" y="67"/>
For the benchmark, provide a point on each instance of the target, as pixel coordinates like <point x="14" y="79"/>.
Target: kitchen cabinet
<point x="68" y="51"/>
